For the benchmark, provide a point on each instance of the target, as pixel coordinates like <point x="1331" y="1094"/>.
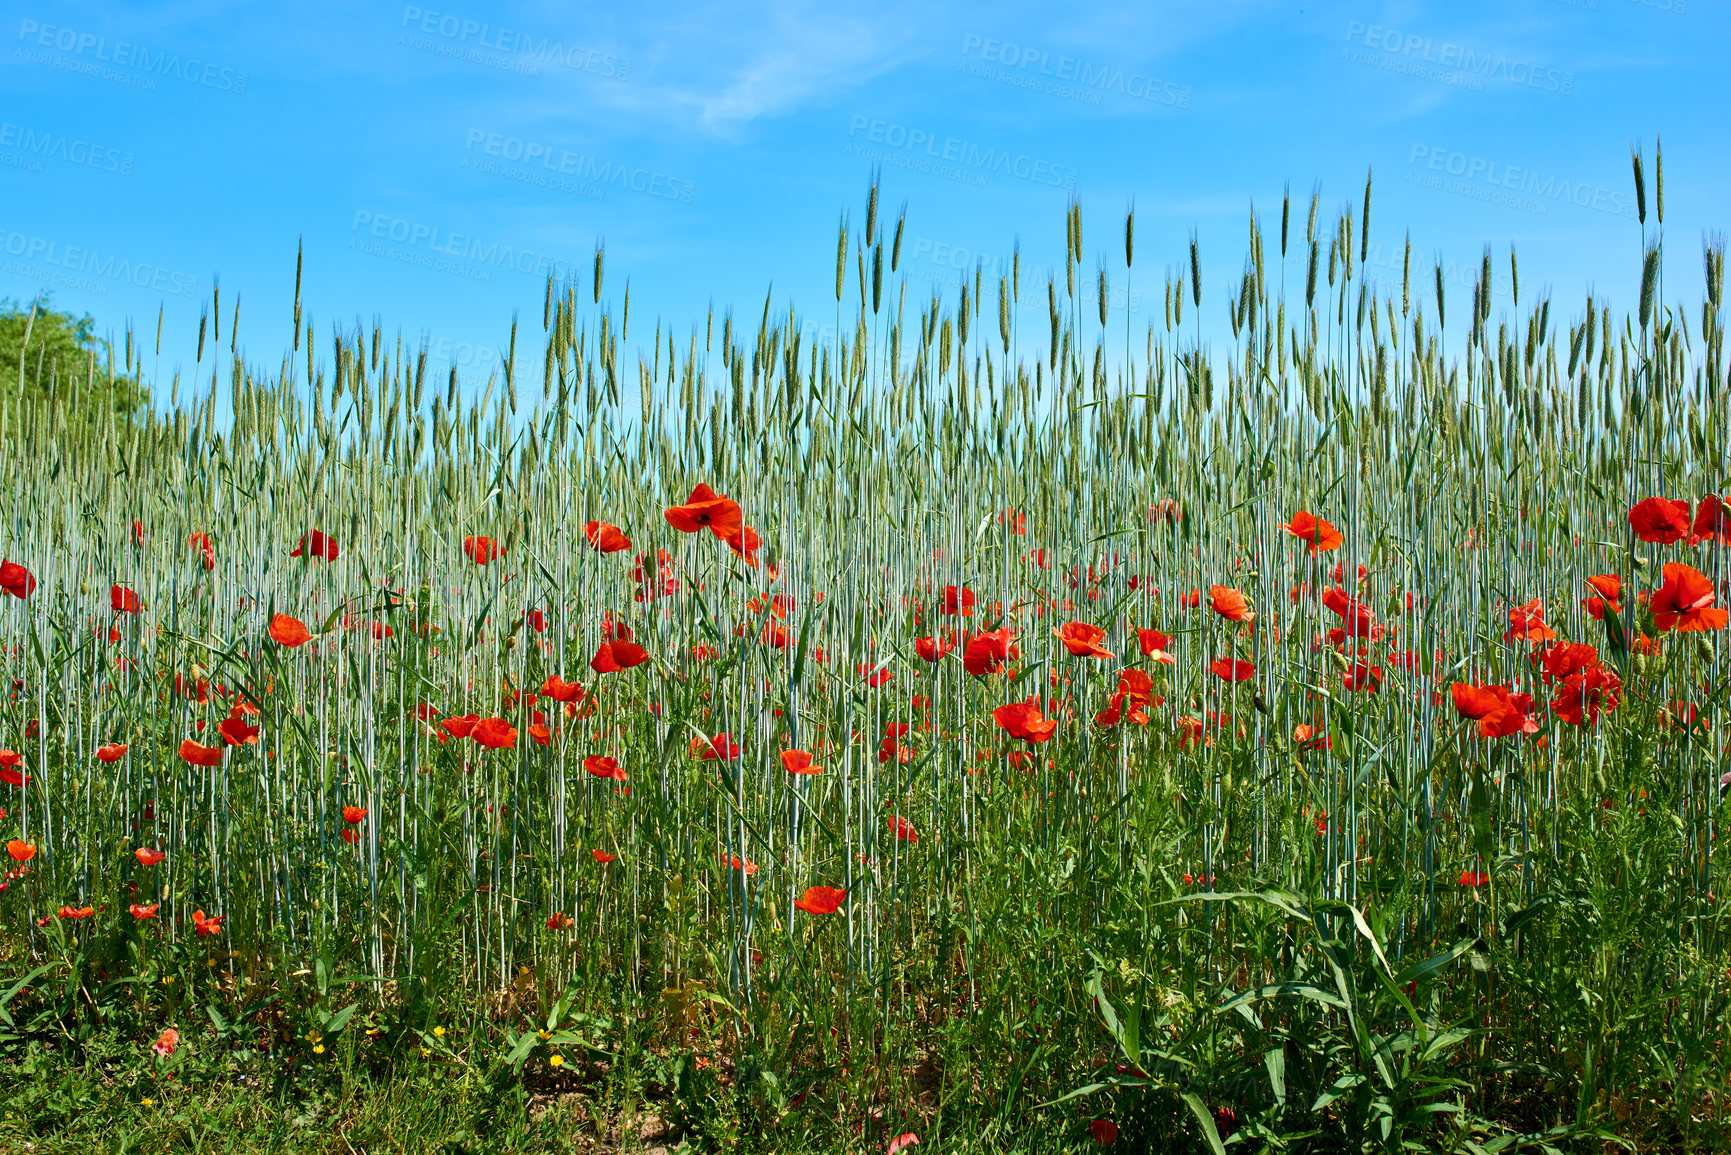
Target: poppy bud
<point x="1257" y="701"/>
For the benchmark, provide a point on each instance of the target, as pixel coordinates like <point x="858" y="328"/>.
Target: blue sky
<point x="438" y="158"/>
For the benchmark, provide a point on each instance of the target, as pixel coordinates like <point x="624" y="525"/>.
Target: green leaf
<point x="1434" y="963"/>
<point x="334" y="1023"/>
<point x="1275" y="1060"/>
<point x="1526" y="914"/>
<point x="1341" y="1086"/>
<point x="519" y="1054"/>
<point x="1205" y="1120"/>
<point x="1090" y="1089"/>
<point x="1288" y="904"/>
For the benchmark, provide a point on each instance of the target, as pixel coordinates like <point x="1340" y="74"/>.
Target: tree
<point x="58" y="358"/>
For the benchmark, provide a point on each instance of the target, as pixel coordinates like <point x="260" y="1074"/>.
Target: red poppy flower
<point x="494" y="733"/>
<point x="1155" y="645"/>
<point x="798" y="762"/>
<point x="933" y="649"/>
<point x="774" y="634"/>
<point x="1229" y="604"/>
<point x="354" y="815"/>
<point x="288" y="632"/>
<point x="1114" y="711"/>
<point x="205" y="925"/>
<point x="874" y="674"/>
<point x="1585" y="693"/>
<point x="738" y="863"/>
<point x="1527" y="624"/>
<point x="1015" y="521"/>
<point x="1362" y="677"/>
<point x="481" y="550"/>
<point x="721" y="747"/>
<point x="236" y="732"/>
<point x="1229" y="670"/>
<point x="1339" y="572"/>
<point x="1712" y="521"/>
<point x="606" y="538"/>
<point x="194" y="754"/>
<point x="1165" y="510"/>
<point x="891" y="749"/>
<point x="20" y="851"/>
<point x="1305" y="737"/>
<point x="1104" y="1132"/>
<point x="1499" y="713"/>
<point x="1024" y="720"/>
<point x="1320" y="536"/>
<point x="1685" y="602"/>
<point x="559" y="922"/>
<point x="77" y="911"/>
<point x="1190" y="600"/>
<point x="148" y="857"/>
<point x="745" y="543"/>
<point x="206" y="551"/>
<point x="1607" y="592"/>
<point x="958" y="602"/>
<point x="316" y="544"/>
<point x="903" y="829"/>
<point x="1660" y="520"/>
<point x="986" y="653"/>
<point x="1475" y="878"/>
<point x="1560" y="661"/>
<point x="601" y="766"/>
<point x="821" y="900"/>
<point x="1083" y="640"/>
<point x="560" y="690"/>
<point x="123" y="600"/>
<point x="16" y="580"/>
<point x="1190" y="732"/>
<point x="602" y="856"/>
<point x="460" y="727"/>
<point x="1135" y="691"/>
<point x="705" y="509"/>
<point x="618" y="655"/>
<point x="143" y="912"/>
<point x="1358" y="620"/>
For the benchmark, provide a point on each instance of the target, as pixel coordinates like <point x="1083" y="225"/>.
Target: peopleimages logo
<point x="949" y="156"/>
<point x="133" y="64"/>
<point x="1450" y="63"/>
<point x="33" y="146"/>
<point x="81" y="267"/>
<point x="462" y="354"/>
<point x="546" y="165"/>
<point x="457" y="253"/>
<point x="448" y="34"/>
<point x="1068" y="77"/>
<point x="1513" y="185"/>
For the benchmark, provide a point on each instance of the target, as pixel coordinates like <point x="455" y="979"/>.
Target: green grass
<point x="1205" y="928"/>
